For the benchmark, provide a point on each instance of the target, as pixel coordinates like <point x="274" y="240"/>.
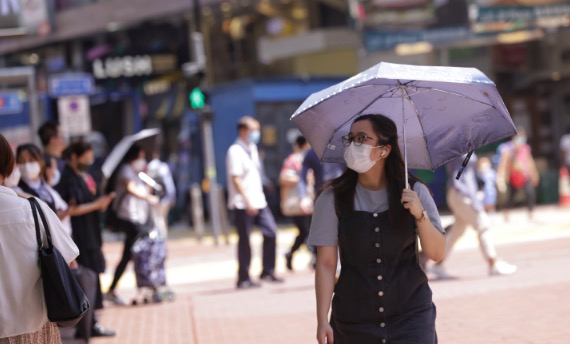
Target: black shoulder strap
<point x="36" y="208"/>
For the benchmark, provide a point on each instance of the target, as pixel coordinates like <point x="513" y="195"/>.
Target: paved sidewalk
<point x="529" y="307"/>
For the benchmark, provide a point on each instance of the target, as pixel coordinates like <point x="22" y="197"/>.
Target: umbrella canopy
<point x="119" y="151"/>
<point x="441" y="112"/>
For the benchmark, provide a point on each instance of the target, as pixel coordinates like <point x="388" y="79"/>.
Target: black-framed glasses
<point x="358" y="139"/>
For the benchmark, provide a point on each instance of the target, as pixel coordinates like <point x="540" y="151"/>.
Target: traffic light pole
<point x="210" y="173"/>
<point x="197" y="51"/>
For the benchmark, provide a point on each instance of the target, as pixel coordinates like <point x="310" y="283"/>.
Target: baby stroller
<point x="149" y="255"/>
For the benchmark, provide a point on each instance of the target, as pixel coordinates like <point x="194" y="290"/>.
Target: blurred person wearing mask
<point x="248" y="203"/>
<point x="32" y="166"/>
<point x="160" y="172"/>
<point x="25" y="319"/>
<point x="133" y="206"/>
<point x="517" y="171"/>
<point x="77" y="188"/>
<point x="53" y="143"/>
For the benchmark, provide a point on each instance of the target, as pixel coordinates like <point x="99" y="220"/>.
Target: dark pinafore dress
<point x="382" y="294"/>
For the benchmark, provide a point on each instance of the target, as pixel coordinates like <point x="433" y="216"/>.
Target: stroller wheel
<point x="169" y="295"/>
<point x="157" y="297"/>
<point x="134" y="302"/>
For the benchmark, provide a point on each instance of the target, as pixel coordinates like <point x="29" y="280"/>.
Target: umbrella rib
<point x="360" y="112"/>
<point x="419" y="120"/>
<point x="426" y="89"/>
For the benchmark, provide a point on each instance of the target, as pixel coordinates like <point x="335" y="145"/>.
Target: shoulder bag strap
<point x="36" y="208"/>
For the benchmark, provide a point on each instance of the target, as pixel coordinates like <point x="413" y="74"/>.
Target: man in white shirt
<point x="248" y="203"/>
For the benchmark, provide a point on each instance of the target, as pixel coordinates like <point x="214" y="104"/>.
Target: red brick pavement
<point x="528" y="307"/>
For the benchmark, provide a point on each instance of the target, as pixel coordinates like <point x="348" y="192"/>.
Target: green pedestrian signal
<point x="197" y="99"/>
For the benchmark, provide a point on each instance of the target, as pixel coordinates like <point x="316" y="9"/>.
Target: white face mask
<point x="13" y="179"/>
<point x="30" y="171"/>
<point x="139" y="165"/>
<point x="55" y="178"/>
<point x="358" y="157"/>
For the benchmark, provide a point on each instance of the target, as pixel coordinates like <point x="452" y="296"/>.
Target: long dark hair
<point x="7" y="160"/>
<point x="344" y="187"/>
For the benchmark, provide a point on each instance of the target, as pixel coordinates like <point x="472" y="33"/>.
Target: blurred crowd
<point x="138" y="195"/>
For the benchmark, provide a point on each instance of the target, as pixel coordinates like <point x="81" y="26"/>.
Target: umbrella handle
<point x="464" y="164"/>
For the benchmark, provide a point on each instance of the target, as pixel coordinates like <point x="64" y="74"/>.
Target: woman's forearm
<point x="85" y="208"/>
<point x="324" y="287"/>
<point x="432" y="240"/>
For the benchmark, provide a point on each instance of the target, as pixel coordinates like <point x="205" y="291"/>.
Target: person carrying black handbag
<point x="26" y="320"/>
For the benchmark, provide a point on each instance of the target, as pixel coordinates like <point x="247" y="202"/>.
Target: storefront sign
<point x="133" y="66"/>
<point x="74" y="115"/>
<point x="10" y="103"/>
<point x="498" y="17"/>
<point x="388" y="23"/>
<point x="380" y="40"/>
<point x="70" y="84"/>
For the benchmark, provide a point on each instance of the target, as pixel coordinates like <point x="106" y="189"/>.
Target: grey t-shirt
<point x="131" y="207"/>
<point x="324" y="226"/>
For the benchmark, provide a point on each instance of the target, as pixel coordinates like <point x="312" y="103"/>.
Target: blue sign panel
<point x="70" y="84"/>
<point x="10" y="103"/>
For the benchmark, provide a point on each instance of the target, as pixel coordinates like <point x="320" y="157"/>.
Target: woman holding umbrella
<point x="382" y="294"/>
<point x="133" y="208"/>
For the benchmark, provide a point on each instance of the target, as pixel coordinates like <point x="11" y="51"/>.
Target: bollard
<point x="197" y="210"/>
<point x="564" y="188"/>
<point x="223" y="215"/>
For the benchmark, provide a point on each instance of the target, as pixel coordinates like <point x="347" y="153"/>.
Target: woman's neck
<point x="75" y="169"/>
<point x="375" y="179"/>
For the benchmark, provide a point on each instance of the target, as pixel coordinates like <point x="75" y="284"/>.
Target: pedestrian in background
<point x="487" y="176"/>
<point x="248" y="203"/>
<point x="291" y="202"/>
<point x="382" y="295"/>
<point x="53" y="143"/>
<point x="31" y="161"/>
<point x="323" y="174"/>
<point x="23" y="314"/>
<point x="160" y="172"/>
<point x="468" y="210"/>
<point x="78" y="189"/>
<point x="565" y="149"/>
<point x="517" y="171"/>
<point x="32" y="182"/>
<point x="133" y="206"/>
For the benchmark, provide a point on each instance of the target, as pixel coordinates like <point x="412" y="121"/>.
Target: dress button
<point x="375" y="214"/>
<point x="381" y="309"/>
<point x="378" y="260"/>
<point x="383" y="340"/>
<point x="380" y="293"/>
<point x="377" y="229"/>
<point x="377" y="245"/>
<point x="379" y="277"/>
<point x="382" y="325"/>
